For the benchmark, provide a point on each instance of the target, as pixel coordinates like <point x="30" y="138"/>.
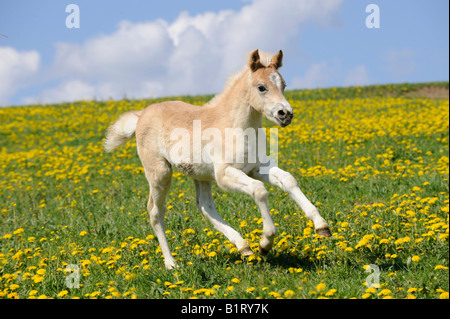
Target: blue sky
<point x="142" y="49"/>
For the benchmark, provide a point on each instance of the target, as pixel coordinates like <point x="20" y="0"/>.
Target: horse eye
<point x="262" y="88"/>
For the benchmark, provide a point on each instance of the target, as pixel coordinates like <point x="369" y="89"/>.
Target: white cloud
<point x="65" y="92"/>
<point x="15" y="70"/>
<point x="317" y="74"/>
<point x="400" y="63"/>
<point x="132" y="50"/>
<point x="357" y="76"/>
<point x="325" y="74"/>
<point x="192" y="55"/>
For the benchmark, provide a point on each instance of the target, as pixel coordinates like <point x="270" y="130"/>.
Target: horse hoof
<point x="246" y="251"/>
<point x="263" y="251"/>
<point x="324" y="232"/>
<point x="171" y="265"/>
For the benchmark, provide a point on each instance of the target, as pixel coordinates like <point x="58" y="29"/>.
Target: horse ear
<point x="277" y="60"/>
<point x="255" y="63"/>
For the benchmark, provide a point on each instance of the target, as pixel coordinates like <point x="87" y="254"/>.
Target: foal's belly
<point x="206" y="171"/>
<point x="198" y="171"/>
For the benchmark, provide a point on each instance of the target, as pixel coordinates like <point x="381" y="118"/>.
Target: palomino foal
<point x="256" y="91"/>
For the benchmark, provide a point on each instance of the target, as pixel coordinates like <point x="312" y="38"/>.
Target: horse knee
<point x="156" y="217"/>
<point x="260" y="193"/>
<point x="150" y="205"/>
<point x="288" y="182"/>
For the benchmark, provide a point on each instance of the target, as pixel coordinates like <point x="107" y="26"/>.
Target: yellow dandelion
<point x="371" y="290"/>
<point x="274" y="294"/>
<point x="13" y="287"/>
<point x="438" y="267"/>
<point x="37" y="279"/>
<point x="18" y="231"/>
<point x="331" y="292"/>
<point x="289" y="293"/>
<point x="321" y="287"/>
<point x="443" y="295"/>
<point x="384" y="292"/>
<point x="33" y="293"/>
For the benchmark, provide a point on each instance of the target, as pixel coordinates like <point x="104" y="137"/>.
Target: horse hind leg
<point x="159" y="179"/>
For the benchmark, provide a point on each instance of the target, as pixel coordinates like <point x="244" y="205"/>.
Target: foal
<point x="256" y="91"/>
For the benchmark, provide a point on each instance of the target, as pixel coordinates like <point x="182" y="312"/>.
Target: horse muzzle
<point x="283" y="114"/>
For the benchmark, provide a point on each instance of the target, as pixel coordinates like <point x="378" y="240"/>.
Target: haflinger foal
<point x="257" y="90"/>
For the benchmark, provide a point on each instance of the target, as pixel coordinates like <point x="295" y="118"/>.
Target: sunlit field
<point x="374" y="160"/>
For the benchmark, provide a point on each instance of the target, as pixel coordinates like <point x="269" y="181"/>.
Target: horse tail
<point x="122" y="130"/>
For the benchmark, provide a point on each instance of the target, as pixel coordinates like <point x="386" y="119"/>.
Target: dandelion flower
<point x="13" y="287"/>
<point x="415" y="258"/>
<point x="440" y="267"/>
<point x="274" y="294"/>
<point x="384" y="292"/>
<point x="18" y="231"/>
<point x="321" y="287"/>
<point x="33" y="293"/>
<point x="443" y="295"/>
<point x="331" y="292"/>
<point x="37" y="279"/>
<point x="289" y="293"/>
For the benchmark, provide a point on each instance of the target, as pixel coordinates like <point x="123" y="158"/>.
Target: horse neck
<point x="236" y="108"/>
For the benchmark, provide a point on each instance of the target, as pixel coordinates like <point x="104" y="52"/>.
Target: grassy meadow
<point x="374" y="160"/>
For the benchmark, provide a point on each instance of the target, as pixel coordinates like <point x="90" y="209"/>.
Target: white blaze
<point x="276" y="79"/>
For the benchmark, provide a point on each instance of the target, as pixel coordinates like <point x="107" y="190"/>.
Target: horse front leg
<point x="205" y="203"/>
<point x="232" y="179"/>
<point x="273" y="175"/>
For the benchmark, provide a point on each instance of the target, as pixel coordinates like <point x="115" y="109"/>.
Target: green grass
<point x="374" y="160"/>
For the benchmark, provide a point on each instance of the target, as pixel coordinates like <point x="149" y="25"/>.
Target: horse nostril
<point x="281" y="113"/>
